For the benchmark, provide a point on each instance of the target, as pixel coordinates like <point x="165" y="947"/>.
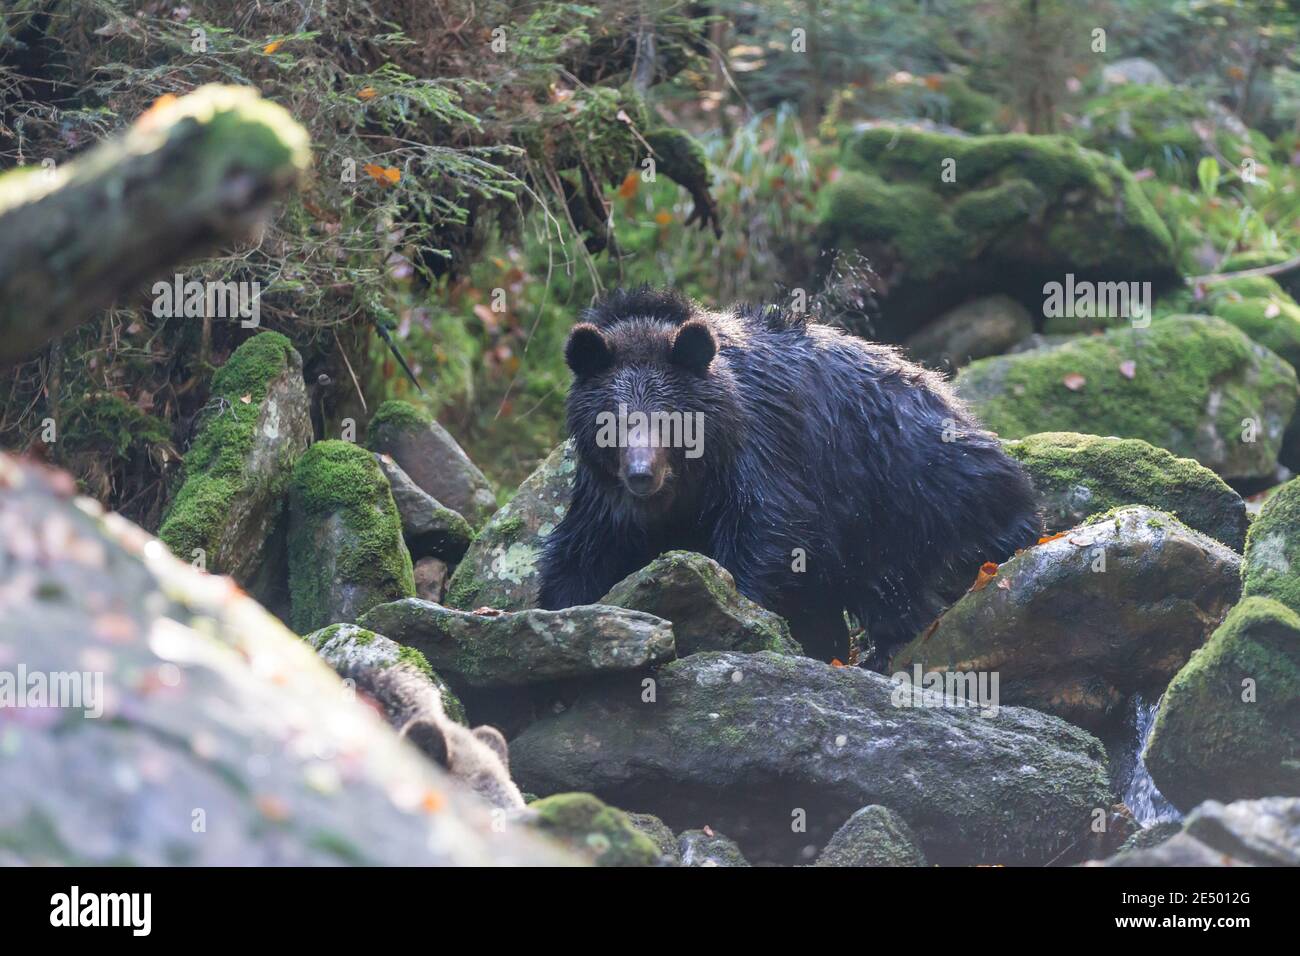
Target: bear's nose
<point x="640" y="482"/>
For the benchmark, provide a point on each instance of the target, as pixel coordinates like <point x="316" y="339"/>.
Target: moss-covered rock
<point x="986" y="326"/>
<point x="706" y="848"/>
<point x="1078" y="625"/>
<point x="592" y="829"/>
<point x="661" y="834"/>
<point x="745" y="740"/>
<point x="429" y="528"/>
<point x="343" y="646"/>
<point x="1193" y="385"/>
<point x="1080" y="475"/>
<point x="499" y="649"/>
<point x="1229" y="725"/>
<point x="346" y="552"/>
<point x="699" y="597"/>
<point x="1164" y="128"/>
<point x="873" y="836"/>
<point x="502" y="568"/>
<point x="433" y="459"/>
<point x="1022" y="210"/>
<point x="1272" y="563"/>
<point x="1255" y="304"/>
<point x="229" y="509"/>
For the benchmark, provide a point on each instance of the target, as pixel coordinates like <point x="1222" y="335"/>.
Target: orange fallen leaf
<point x="631" y="183"/>
<point x="149" y="117"/>
<point x="988" y="571"/>
<point x="836" y="662"/>
<point x="1052" y="537"/>
<point x="388" y="175"/>
<point x="433" y="801"/>
<point x="1074" y="381"/>
<point x="367" y="93"/>
<point x="273" y="46"/>
<point x="663" y="218"/>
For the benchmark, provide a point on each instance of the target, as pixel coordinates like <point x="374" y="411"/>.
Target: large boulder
<point x="427" y="452"/>
<point x="873" y="836"/>
<point x="502" y="568"/>
<point x="1193" y="385"/>
<point x="1245" y="833"/>
<point x="1228" y="727"/>
<point x="346" y="552"/>
<point x="1272" y="562"/>
<point x="1079" y="624"/>
<point x="510" y="649"/>
<point x="755" y="743"/>
<point x="986" y="326"/>
<point x="947" y="218"/>
<point x="699" y="597"/>
<point x="1077" y="476"/>
<point x="429" y="529"/>
<point x="206" y="733"/>
<point x="228" y="515"/>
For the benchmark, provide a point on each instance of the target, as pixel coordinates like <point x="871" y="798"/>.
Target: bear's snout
<point x="643" y="470"/>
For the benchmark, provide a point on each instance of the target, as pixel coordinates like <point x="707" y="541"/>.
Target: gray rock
<point x="508" y="649"/>
<point x="705" y="848"/>
<point x="982" y="327"/>
<point x="224" y="740"/>
<point x="873" y="836"/>
<point x="749" y="741"/>
<point x="436" y="463"/>
<point x="502" y="568"/>
<point x="1077" y="625"/>
<point x="699" y="597"/>
<point x="430" y="530"/>
<point x="1245" y="833"/>
<point x="1133" y="69"/>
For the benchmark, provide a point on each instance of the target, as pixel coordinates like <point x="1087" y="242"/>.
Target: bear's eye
<point x="588" y="351"/>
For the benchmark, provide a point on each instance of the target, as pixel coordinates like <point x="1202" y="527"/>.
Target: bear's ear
<point x="587" y="352"/>
<point x="694" y="345"/>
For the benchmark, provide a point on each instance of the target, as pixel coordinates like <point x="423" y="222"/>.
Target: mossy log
<point x="191" y="173"/>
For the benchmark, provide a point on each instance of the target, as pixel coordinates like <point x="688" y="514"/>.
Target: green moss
<point x="1155" y="127"/>
<point x="338" y="477"/>
<point x="1114" y="472"/>
<point x="1180" y="361"/>
<point x="1272" y="561"/>
<point x="215" y="470"/>
<point x="600" y="832"/>
<point x="400" y="414"/>
<point x="1078" y="207"/>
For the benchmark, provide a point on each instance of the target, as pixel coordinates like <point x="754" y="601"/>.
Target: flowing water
<point x="1149" y="807"/>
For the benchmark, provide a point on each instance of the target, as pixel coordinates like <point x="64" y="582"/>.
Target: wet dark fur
<point x="814" y="440"/>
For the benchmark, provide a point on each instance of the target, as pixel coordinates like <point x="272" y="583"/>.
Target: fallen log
<point x="192" y="173"/>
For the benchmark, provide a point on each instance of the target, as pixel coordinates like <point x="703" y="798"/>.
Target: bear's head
<point x="652" y="405"/>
